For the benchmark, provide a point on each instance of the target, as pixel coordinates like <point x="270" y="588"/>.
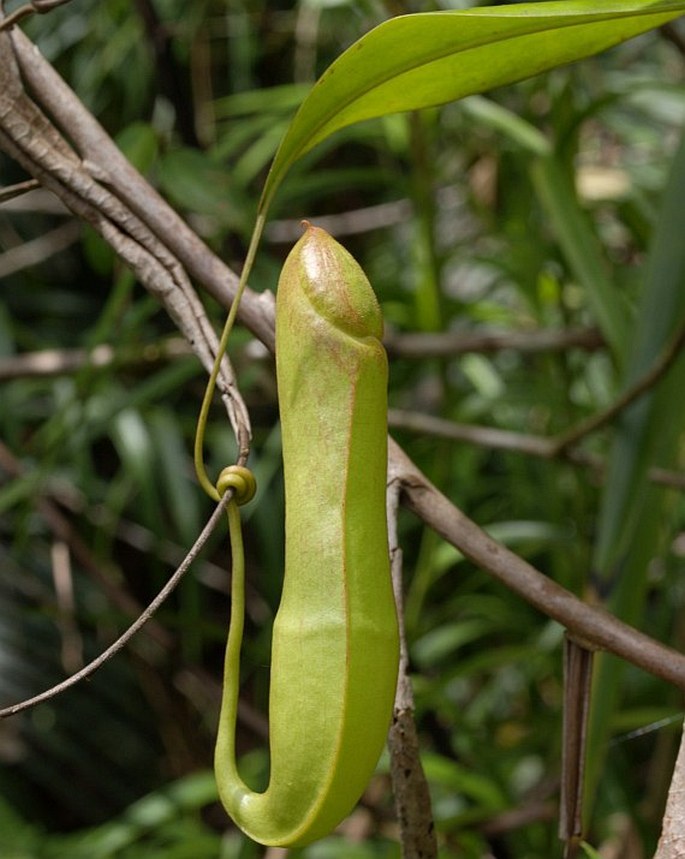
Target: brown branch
<point x="63" y="583"/>
<point x="442" y="345"/>
<point x="34" y="198"/>
<point x="97" y="148"/>
<point x="664" y="477"/>
<point x="516" y="818"/>
<point x="29" y="137"/>
<point x="595" y="627"/>
<point x="359" y="221"/>
<point x="577" y="684"/>
<point x="351" y="223"/>
<point x="497" y="439"/>
<point x="448" y="344"/>
<point x="515" y="442"/>
<point x="39" y="7"/>
<point x="55" y="362"/>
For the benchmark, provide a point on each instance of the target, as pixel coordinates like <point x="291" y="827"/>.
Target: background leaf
<point x="633" y="510"/>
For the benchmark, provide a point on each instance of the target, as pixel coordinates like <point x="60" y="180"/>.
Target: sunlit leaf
<point x="421" y="60"/>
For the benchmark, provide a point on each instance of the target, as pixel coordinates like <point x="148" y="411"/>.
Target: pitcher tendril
<point x="198" y="451"/>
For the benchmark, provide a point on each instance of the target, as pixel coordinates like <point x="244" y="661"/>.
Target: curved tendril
<point x="198" y="456"/>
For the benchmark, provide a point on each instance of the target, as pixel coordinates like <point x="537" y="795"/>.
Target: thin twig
<point x="450" y="343"/>
<point x="365" y="219"/>
<point x="135" y="626"/>
<point x="193" y="681"/>
<point x="9" y="192"/>
<point x="410" y="787"/>
<point x="672" y="841"/>
<point x="515" y="442"/>
<point x="353" y="222"/>
<point x="102" y="572"/>
<point x="63" y="580"/>
<point x="39" y="7"/>
<point x="36" y="199"/>
<point x="41" y="248"/>
<point x="647" y="381"/>
<point x="56" y="362"/>
<point x="443" y="345"/>
<point x="516" y="818"/>
<point x="577" y="683"/>
<point x="491" y="437"/>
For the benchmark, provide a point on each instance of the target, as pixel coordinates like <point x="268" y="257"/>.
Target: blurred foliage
<point x="465" y="225"/>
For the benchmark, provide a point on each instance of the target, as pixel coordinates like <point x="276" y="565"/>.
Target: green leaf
<point x="460" y="779"/>
<point x="272" y="100"/>
<point x="633" y="509"/>
<point x="582" y="249"/>
<point x="174" y="474"/>
<point x="426" y="59"/>
<point x="138" y="141"/>
<point x="132" y="439"/>
<point x="443" y="642"/>
<point x="571" y="224"/>
<point x="589" y="851"/>
<point x="517" y="129"/>
<point x="196" y="183"/>
<point x="648" y="430"/>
